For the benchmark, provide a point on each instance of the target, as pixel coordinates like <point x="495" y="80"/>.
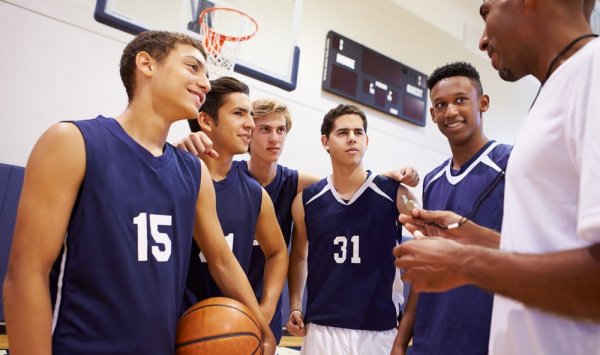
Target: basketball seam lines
<point x="213" y="337"/>
<point x="222" y="305"/>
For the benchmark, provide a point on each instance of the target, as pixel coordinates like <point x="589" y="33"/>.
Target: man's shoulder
<point x="436" y="171"/>
<point x="500" y="154"/>
<point x="286" y="172"/>
<point x="385" y="182"/>
<point x="502" y="149"/>
<point x="314" y="189"/>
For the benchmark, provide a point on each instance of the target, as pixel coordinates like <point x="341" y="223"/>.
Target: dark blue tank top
<point x="118" y="284"/>
<point x="239" y="200"/>
<point x="282" y="191"/>
<point x="351" y="270"/>
<point x="458" y="321"/>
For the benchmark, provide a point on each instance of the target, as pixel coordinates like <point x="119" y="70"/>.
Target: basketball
<point x="218" y="325"/>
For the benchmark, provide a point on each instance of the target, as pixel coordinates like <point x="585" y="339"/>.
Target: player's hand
<point x="433" y="223"/>
<point x="198" y="144"/>
<point x="269" y="346"/>
<point x="432" y="264"/>
<point x="295" y="324"/>
<point x="406" y="175"/>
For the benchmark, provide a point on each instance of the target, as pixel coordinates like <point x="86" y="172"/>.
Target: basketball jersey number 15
<point x="342" y="242"/>
<point x="160" y="238"/>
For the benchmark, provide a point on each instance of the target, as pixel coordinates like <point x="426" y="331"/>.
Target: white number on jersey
<point x="342" y="241"/>
<point x="161" y="239"/>
<point x="228" y="239"/>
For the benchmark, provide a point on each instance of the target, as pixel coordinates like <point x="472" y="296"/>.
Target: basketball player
<point x="273" y="122"/>
<point x="471" y="184"/>
<point x="243" y="206"/>
<point x="547" y="274"/>
<point x="103" y="233"/>
<point x="345" y="226"/>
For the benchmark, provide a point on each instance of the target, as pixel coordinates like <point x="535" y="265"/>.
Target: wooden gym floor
<point x="287" y="341"/>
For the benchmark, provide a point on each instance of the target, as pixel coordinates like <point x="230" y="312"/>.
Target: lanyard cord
<point x="555" y="60"/>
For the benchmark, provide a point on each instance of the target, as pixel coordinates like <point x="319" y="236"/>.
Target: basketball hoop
<point x="223" y="30"/>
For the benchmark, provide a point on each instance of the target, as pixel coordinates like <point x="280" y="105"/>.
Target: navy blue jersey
<point x="282" y="191"/>
<point x="458" y="321"/>
<point x="118" y="284"/>
<point x="239" y="200"/>
<point x="351" y="270"/>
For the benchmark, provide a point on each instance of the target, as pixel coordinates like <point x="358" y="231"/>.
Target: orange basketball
<point x="218" y="325"/>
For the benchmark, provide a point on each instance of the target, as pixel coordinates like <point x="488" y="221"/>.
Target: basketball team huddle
<point x="118" y="232"/>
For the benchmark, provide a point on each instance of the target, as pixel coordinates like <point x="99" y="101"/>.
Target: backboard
<point x="271" y="55"/>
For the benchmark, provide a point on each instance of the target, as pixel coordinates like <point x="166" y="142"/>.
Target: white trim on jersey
<point x="367" y="184"/>
<point x="398" y="290"/>
<point x="325" y="189"/>
<point x="452" y="179"/>
<point x="59" y="285"/>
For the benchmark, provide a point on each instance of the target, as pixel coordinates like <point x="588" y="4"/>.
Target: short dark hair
<point x="341" y="110"/>
<point x="456" y="69"/>
<point x="158" y="44"/>
<point x="219" y="89"/>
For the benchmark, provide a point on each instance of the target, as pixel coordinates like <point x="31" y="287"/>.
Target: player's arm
<point x="223" y="266"/>
<point x="450" y="225"/>
<point x="404" y="199"/>
<point x="198" y="144"/>
<point x="305" y="180"/>
<point x="406" y="175"/>
<point x="298" y="269"/>
<point x="405" y="328"/>
<point x="53" y="175"/>
<point x="565" y="282"/>
<point x="270" y="239"/>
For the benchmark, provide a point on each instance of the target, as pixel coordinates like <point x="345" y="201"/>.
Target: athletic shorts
<point x="324" y="340"/>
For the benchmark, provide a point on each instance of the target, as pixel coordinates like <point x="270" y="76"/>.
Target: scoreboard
<point x="362" y="75"/>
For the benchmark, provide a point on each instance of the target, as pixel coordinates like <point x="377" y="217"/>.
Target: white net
<point x="223" y="30"/>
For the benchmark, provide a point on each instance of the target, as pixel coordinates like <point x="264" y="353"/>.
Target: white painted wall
<point x="59" y="64"/>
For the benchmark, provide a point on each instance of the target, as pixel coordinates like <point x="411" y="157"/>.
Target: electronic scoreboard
<point x="360" y="74"/>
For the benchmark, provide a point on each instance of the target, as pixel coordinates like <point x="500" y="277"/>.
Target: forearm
<point x="296" y="280"/>
<point x="475" y="234"/>
<point x="405" y="328"/>
<point x="565" y="283"/>
<point x="28" y="314"/>
<point x="231" y="279"/>
<point x="276" y="267"/>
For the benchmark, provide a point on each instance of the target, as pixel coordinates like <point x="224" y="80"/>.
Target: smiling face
<point x="456" y="109"/>
<point x="268" y="137"/>
<point x="231" y="133"/>
<point x="505" y="36"/>
<point x="179" y="83"/>
<point x="347" y="141"/>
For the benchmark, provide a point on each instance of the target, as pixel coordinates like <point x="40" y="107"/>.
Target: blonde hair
<point x="263" y="107"/>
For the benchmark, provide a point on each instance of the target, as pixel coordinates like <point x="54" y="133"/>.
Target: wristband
<point x="299" y="310"/>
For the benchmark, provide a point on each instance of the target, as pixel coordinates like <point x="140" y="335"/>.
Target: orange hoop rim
<point x="223" y="37"/>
